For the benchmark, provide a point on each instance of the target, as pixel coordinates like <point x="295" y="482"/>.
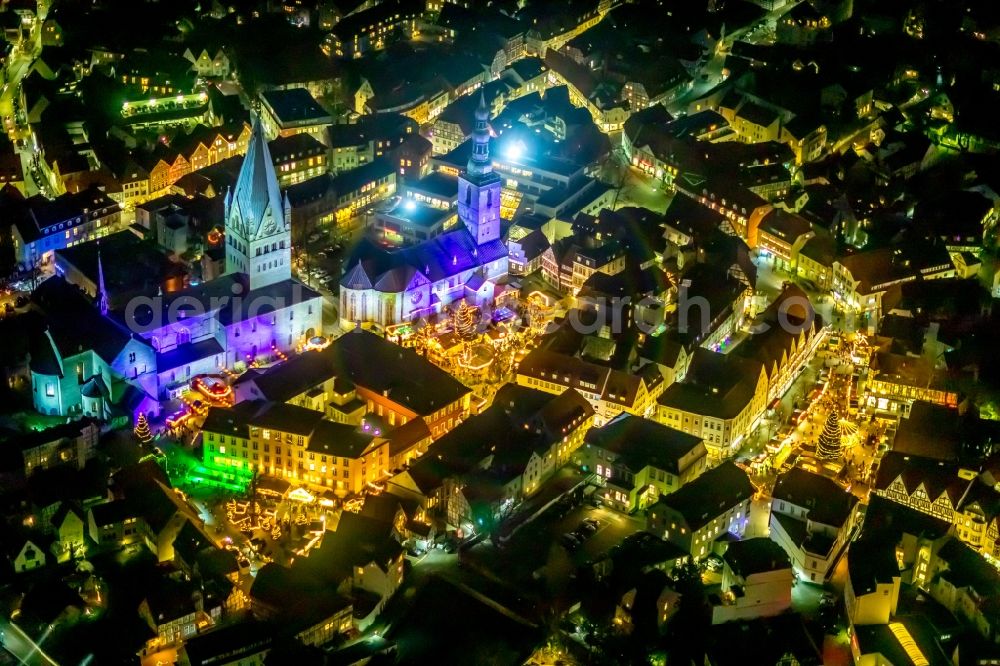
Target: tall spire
<point x="480" y="163"/>
<point x="102" y="290"/>
<point x="256" y="194"/>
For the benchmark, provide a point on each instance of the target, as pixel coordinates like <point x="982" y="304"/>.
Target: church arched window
<point x="468" y="196"/>
<point x="489" y="198"/>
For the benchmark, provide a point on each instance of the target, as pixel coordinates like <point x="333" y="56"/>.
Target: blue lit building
<point x="388" y="287"/>
<point x="256" y="311"/>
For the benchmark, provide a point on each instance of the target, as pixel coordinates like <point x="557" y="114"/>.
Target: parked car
<point x="570" y="541"/>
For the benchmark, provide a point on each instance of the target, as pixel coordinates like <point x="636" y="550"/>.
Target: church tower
<point x="258" y="220"/>
<point x="102" y="291"/>
<point x="479" y="186"/>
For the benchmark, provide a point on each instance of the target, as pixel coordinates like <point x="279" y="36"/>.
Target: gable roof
<point x="521" y="421"/>
<point x="370" y="362"/>
<point x="640" y="442"/>
<point x="75" y="326"/>
<point x="827" y="502"/>
<point x="710" y="495"/>
<point x="358" y="541"/>
<point x="937" y="477"/>
<point x="717" y="385"/>
<point x="754" y="556"/>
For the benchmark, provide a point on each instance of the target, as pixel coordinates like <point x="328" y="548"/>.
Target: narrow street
<point x="15" y="123"/>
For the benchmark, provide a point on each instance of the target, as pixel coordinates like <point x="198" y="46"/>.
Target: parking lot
<point x="537" y="551"/>
<point x="612" y="528"/>
<point x="319" y="265"/>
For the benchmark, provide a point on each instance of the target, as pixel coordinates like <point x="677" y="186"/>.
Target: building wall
<point x="388" y="308"/>
<point x="627" y="492"/>
<point x="323" y="632"/>
<point x="812" y="567"/>
<point x="671" y="526"/>
<point x="286" y="455"/>
<point x="69" y="534"/>
<point x="61" y="396"/>
<point x="764" y="595"/>
<point x="722" y="436"/>
<point x="812" y="270"/>
<point x="75" y="451"/>
<point x="30" y="557"/>
<point x="65" y="234"/>
<point x="873" y="608"/>
<point x="372" y="578"/>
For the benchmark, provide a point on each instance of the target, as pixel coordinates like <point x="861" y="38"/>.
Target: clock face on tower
<point x="415" y="297"/>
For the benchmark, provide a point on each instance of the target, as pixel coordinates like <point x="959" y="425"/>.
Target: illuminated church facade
<point x="388" y="287"/>
<point x="88" y="359"/>
<point x="256" y="310"/>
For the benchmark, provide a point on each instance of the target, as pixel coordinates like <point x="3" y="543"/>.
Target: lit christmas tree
<point x="830" y="445"/>
<point x="424" y="336"/>
<point x="141" y="430"/>
<point x="465" y="320"/>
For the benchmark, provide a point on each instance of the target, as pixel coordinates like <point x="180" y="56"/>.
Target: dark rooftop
<point x="710" y="495"/>
<point x="295" y="105"/>
<point x="754" y="556"/>
<point x="640" y="442"/>
<point x="826" y="502"/>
